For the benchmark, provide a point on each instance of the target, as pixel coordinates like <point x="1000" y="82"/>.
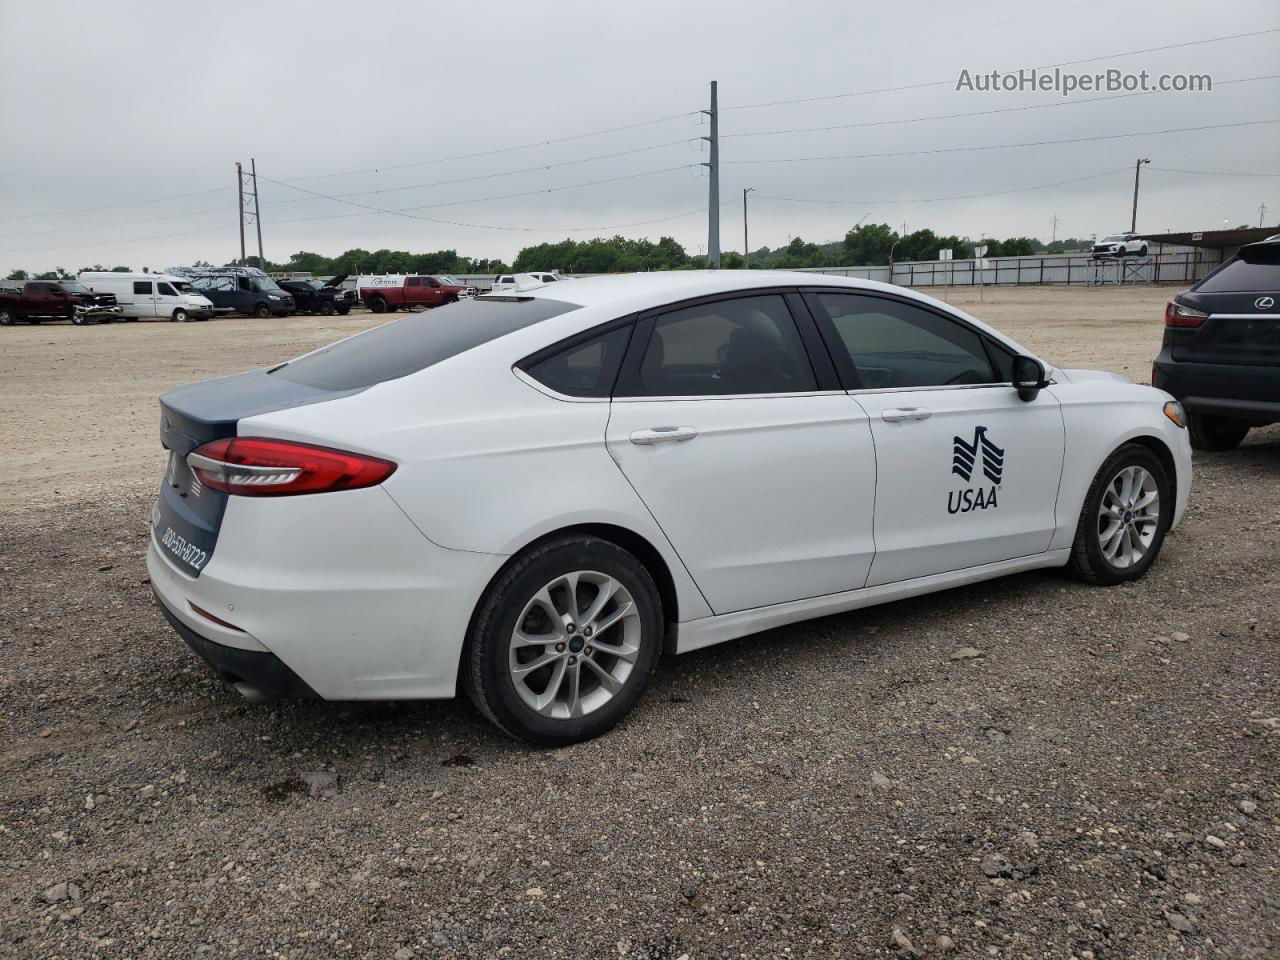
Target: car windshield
<point x="415" y="342"/>
<point x="1116" y="239"/>
<point x="183" y="287"/>
<point x="448" y="280"/>
<point x="267" y="285"/>
<point x="75" y="288"/>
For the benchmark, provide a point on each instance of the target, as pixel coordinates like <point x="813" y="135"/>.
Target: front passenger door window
<point x="895" y="345"/>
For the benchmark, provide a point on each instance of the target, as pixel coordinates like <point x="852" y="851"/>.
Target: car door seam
<point x="689" y="573"/>
<point x="875" y="488"/>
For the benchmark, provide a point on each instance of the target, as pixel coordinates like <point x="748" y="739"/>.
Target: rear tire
<point x="1215" y="433"/>
<point x="1125" y="516"/>
<point x="601" y="616"/>
<point x="378" y="305"/>
<point x="343" y="311"/>
<point x="7" y="317"/>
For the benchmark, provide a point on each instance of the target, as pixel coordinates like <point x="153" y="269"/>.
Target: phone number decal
<point x="188" y="553"/>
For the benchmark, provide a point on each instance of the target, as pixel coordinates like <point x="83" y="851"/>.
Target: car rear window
<point x="1252" y="269"/>
<point x="417" y="341"/>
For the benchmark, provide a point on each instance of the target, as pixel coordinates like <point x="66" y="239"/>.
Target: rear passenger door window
<point x="741" y="346"/>
<point x="887" y="344"/>
<point x="142" y="287"/>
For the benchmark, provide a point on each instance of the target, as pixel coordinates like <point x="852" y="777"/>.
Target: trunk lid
<point x="188" y="515"/>
<point x="1238" y="330"/>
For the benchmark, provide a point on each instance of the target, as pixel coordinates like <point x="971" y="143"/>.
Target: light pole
<point x="1137" y="172"/>
<point x="745" y="247"/>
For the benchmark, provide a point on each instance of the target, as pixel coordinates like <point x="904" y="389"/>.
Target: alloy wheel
<point x="574" y="645"/>
<point x="1128" y="516"/>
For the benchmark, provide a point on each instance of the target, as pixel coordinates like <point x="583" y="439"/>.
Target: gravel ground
<point x="1024" y="768"/>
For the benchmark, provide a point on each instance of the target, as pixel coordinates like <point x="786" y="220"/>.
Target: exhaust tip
<point x="251" y="693"/>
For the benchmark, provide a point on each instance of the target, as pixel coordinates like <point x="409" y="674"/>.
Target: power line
<point x="1007" y="146"/>
<point x="374" y="212"/>
<point x="504" y="196"/>
<point x="107" y="243"/>
<point x="485" y="176"/>
<point x="950" y="81"/>
<point x="126" y="223"/>
<point x="116" y="206"/>
<point x="977" y="113"/>
<point x="967" y="196"/>
<point x="1215" y="173"/>
<point x="915" y="42"/>
<point x="493" y="152"/>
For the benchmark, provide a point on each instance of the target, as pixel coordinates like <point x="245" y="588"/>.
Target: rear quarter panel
<point x="487" y="463"/>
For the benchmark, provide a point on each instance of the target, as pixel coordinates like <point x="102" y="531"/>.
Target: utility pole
<point x="1262" y="212"/>
<point x="257" y="217"/>
<point x="745" y="247"/>
<point x="1137" y="172"/>
<point x="713" y="200"/>
<point x="1055" y="228"/>
<point x="240" y="189"/>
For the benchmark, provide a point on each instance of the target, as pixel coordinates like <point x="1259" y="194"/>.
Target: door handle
<point x="663" y="435"/>
<point x="898" y="414"/>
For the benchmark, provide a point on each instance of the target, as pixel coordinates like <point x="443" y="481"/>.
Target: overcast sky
<point x="109" y="104"/>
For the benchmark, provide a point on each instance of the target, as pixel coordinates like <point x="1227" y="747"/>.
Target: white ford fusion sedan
<point x="530" y="496"/>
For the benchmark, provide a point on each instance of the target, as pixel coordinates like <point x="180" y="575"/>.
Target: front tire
<point x="564" y="641"/>
<point x="1215" y="434"/>
<point x="262" y="312"/>
<point x="327" y="309"/>
<point x="181" y="316"/>
<point x="1125" y="516"/>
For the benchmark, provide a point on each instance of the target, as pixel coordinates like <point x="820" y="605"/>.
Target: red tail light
<point x="262" y="467"/>
<point x="1177" y="315"/>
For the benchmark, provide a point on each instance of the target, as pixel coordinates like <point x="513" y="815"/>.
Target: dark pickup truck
<point x="312" y="296"/>
<point x="40" y="300"/>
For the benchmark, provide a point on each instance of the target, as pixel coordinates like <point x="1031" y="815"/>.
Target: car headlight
<point x="1173" y="410"/>
<point x="272" y="296"/>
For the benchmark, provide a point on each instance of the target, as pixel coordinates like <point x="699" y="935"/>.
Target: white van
<point x="151" y="296"/>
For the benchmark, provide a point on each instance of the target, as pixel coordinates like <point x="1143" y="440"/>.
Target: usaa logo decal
<point x="981" y="460"/>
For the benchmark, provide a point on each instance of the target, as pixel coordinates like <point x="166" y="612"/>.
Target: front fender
<point x="1100" y="416"/>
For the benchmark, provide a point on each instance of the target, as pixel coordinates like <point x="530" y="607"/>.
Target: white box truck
<point x="151" y="296"/>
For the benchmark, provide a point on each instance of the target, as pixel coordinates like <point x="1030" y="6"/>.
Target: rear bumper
<point x="341" y="589"/>
<point x="263" y="672"/>
<point x="1227" y="390"/>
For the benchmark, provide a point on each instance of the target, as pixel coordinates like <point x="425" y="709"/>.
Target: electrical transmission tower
<point x="249" y="214"/>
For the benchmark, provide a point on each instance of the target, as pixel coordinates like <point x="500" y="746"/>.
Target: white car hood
<point x="1079" y="375"/>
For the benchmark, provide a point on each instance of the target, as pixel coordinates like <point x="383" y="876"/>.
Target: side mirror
<point x="1028" y="378"/>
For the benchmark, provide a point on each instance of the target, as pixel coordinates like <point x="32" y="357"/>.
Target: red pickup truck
<point x="383" y="294"/>
<point x="40" y="300"/>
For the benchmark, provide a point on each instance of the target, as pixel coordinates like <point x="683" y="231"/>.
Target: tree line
<point x="864" y="245"/>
